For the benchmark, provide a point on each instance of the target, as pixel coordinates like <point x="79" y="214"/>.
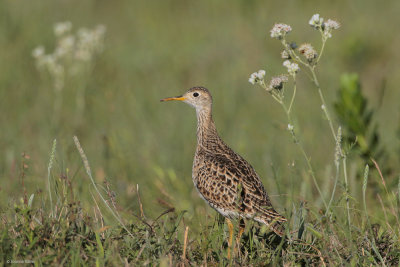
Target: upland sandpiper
<point x="226" y="181"/>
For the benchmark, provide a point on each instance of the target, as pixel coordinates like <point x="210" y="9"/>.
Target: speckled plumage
<point x="225" y="180"/>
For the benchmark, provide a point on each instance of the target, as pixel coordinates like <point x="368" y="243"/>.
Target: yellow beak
<point x="179" y="98"/>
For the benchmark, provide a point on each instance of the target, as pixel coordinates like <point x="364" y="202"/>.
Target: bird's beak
<point x="179" y="98"/>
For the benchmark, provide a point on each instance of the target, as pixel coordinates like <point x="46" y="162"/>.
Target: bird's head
<point x="198" y="97"/>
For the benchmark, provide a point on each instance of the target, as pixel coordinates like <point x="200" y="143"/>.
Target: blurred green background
<point x="156" y="49"/>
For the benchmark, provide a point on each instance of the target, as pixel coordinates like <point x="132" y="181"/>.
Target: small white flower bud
<point x="316" y="21"/>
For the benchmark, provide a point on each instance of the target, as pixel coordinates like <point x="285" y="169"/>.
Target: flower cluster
<point x="292" y="57"/>
<point x="326" y="27"/>
<point x="316" y="21"/>
<point x="280" y="30"/>
<point x="277" y="82"/>
<point x="308" y="51"/>
<point x="292" y="67"/>
<point x="330" y="25"/>
<point x="257" y="77"/>
<point x="89" y="42"/>
<point x="71" y="52"/>
<point x="61" y="28"/>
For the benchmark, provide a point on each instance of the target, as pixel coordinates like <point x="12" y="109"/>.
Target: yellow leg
<point x="230" y="227"/>
<point x="241" y="230"/>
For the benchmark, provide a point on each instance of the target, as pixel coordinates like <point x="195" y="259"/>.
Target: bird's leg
<point x="230" y="227"/>
<point x="242" y="226"/>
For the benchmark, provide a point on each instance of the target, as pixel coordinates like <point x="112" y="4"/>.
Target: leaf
<point x="357" y="119"/>
<point x="30" y="200"/>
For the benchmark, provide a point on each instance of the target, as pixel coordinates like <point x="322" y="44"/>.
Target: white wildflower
<point x="261" y="74"/>
<point x="253" y="78"/>
<point x="257" y="77"/>
<point x="89" y="42"/>
<point x="292" y="67"/>
<point x="290" y="127"/>
<point x="72" y="52"/>
<point x="316" y="21"/>
<point x="61" y="28"/>
<point x="328" y="26"/>
<point x="65" y="46"/>
<point x="323" y="107"/>
<point x="38" y="52"/>
<point x="280" y="30"/>
<point x="332" y="24"/>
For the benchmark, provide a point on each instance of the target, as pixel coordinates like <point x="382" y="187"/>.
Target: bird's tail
<point x="278" y="227"/>
<point x="275" y="223"/>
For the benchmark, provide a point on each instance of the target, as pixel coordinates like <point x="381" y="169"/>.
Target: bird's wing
<point x="253" y="194"/>
<point x="235" y="186"/>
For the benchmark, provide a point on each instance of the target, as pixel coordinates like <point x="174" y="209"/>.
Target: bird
<point x="224" y="179"/>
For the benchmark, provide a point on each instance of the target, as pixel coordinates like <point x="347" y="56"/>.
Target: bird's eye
<point x="195" y="94"/>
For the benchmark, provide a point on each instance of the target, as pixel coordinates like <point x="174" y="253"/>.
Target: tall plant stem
<point x="303" y="152"/>
<point x="321" y="96"/>
<point x="292" y="100"/>
<point x="342" y="153"/>
<point x="346" y="184"/>
<point x="334" y="188"/>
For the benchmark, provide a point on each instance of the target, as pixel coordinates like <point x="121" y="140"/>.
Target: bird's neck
<point x="206" y="130"/>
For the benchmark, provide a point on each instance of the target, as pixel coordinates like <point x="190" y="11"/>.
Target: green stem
<point x="334" y="188"/>
<point x="325" y="109"/>
<point x="303" y="152"/>
<point x="346" y="184"/>
<point x="322" y="48"/>
<point x="292" y="54"/>
<point x="51" y="160"/>
<point x="294" y="94"/>
<point x="279" y="99"/>
<point x="89" y="173"/>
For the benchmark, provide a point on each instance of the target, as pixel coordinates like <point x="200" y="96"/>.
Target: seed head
<point x="277" y="82"/>
<point x="308" y="51"/>
<point x="280" y="30"/>
<point x="332" y="24"/>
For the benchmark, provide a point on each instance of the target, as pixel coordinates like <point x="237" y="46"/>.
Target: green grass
<point x="53" y="213"/>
